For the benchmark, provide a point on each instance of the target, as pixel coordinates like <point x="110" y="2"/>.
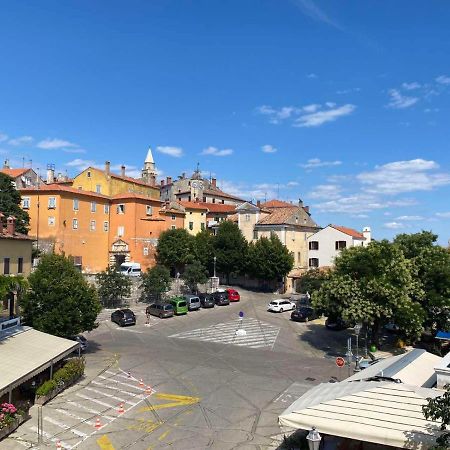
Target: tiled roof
<point x="218" y="207"/>
<point x="193" y="205"/>
<point x="61" y="188"/>
<point x="133" y="195"/>
<point x="125" y="178"/>
<point x="220" y="193"/>
<point x="292" y="215"/>
<point x="14" y="173"/>
<point x="350" y="231"/>
<point x="276" y="204"/>
<point x="233" y="218"/>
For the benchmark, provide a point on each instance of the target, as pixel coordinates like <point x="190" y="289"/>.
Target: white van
<point x="130" y="269"/>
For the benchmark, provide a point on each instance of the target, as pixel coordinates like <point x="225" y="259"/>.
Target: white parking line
<point x="64" y="426"/>
<point x="93" y="411"/>
<point x="109" y="395"/>
<point x="137" y="388"/>
<point x="85" y="397"/>
<point x="67" y="413"/>
<point x="51" y="438"/>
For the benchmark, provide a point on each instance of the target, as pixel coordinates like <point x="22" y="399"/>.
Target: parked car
<point x="123" y="317"/>
<point x="337" y="324"/>
<point x="179" y="305"/>
<point x="365" y="363"/>
<point x="160" y="310"/>
<point x="81" y="340"/>
<point x="130" y="269"/>
<point x="193" y="302"/>
<point x="233" y="295"/>
<point x="281" y="305"/>
<point x="221" y="298"/>
<point x="304" y="314"/>
<point x="207" y="300"/>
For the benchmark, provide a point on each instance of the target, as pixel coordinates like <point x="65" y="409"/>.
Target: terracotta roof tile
<point x="292" y="215"/>
<point x="133" y="195"/>
<point x="193" y="205"/>
<point x="349" y="231"/>
<point x="276" y="204"/>
<point x="14" y="173"/>
<point x="61" y="188"/>
<point x="218" y="207"/>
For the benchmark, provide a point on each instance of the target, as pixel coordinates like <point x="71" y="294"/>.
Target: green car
<point x="179" y="305"/>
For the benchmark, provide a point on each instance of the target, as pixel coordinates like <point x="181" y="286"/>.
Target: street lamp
<point x="215" y="259"/>
<point x="357" y="329"/>
<point x="314" y="439"/>
<point x="178" y="282"/>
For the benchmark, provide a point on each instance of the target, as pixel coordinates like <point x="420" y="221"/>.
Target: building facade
<point x="195" y="217"/>
<point x="326" y="244"/>
<point x="23" y="177"/>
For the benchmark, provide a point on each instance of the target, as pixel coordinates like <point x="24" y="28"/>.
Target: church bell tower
<point x="149" y="171"/>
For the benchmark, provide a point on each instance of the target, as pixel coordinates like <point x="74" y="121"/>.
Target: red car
<point x="233" y="295"/>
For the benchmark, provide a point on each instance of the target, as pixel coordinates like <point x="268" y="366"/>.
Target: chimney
<point x="107" y="168"/>
<point x="214" y="182"/>
<point x="50" y="173"/>
<point x="11" y="225"/>
<point x="122" y="170"/>
<point x="6" y="164"/>
<point x="162" y="183"/>
<point x="300" y="202"/>
<point x="168" y="180"/>
<point x="258" y="203"/>
<point x="367" y="233"/>
<point x="306" y="208"/>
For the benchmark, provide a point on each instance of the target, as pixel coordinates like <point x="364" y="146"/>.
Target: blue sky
<point x="345" y="105"/>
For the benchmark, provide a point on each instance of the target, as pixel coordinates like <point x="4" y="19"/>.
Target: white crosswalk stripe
<point x="75" y="422"/>
<point x="258" y="334"/>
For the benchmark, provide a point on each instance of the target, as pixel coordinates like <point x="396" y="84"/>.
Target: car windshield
<point x="274" y="303"/>
<point x="305" y="310"/>
<point x="181" y="304"/>
<point x="168" y="307"/>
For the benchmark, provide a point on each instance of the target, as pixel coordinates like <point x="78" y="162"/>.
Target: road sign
<point x="340" y="362"/>
<point x="241" y="314"/>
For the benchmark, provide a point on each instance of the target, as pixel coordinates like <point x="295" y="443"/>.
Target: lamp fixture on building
<point x="314" y="439"/>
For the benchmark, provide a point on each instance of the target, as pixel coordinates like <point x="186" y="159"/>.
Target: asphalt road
<point x="189" y="382"/>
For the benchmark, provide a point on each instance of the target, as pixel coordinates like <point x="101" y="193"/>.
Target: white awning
<point x="384" y="413"/>
<point x="28" y="352"/>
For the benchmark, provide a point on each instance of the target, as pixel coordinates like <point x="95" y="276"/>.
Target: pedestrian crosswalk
<point x="76" y="415"/>
<point x="257" y="334"/>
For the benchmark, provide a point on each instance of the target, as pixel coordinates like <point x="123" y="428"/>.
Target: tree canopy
<point x="155" y="282"/>
<point x="113" y="286"/>
<point x="312" y="280"/>
<point x="10" y="204"/>
<point x="59" y="300"/>
<point x="204" y="249"/>
<point x="195" y="274"/>
<point x="175" y="249"/>
<point x="439" y="409"/>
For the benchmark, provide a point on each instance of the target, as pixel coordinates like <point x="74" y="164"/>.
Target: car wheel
<point x="281" y="309"/>
<point x="160" y="315"/>
<point x="306" y="319"/>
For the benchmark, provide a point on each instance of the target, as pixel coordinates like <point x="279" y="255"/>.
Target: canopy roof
<point x="384" y="413"/>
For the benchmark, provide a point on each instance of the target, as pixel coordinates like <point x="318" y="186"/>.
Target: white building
<point x="326" y="244"/>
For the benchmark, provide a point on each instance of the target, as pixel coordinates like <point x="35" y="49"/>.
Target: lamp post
<point x="357" y="329"/>
<point x="314" y="439"/>
<point x="215" y="259"/>
<point x="178" y="283"/>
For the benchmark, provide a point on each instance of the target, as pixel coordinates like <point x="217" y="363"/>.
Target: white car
<point x="281" y="305"/>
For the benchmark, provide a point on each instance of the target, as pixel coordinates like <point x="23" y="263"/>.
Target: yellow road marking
<point x="164" y="435"/>
<point x="104" y="443"/>
<point x="145" y="425"/>
<point x="176" y="400"/>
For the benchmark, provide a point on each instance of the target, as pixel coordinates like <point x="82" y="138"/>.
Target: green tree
<point x="312" y="280"/>
<point x="195" y="274"/>
<point x="373" y="285"/>
<point x="10" y="204"/>
<point x="439" y="409"/>
<point x="269" y="259"/>
<point x="204" y="249"/>
<point x="155" y="282"/>
<point x="113" y="286"/>
<point x="230" y="249"/>
<point x="175" y="249"/>
<point x="431" y="266"/>
<point x="60" y="301"/>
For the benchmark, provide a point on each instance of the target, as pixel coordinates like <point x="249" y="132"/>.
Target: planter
<point x="12" y="426"/>
<point x="42" y="400"/>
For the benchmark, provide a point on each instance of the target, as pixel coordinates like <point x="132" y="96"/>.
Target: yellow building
<point x="195" y="219"/>
<point x="107" y="183"/>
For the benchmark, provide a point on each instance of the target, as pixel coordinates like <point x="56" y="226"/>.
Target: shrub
<point x="45" y="388"/>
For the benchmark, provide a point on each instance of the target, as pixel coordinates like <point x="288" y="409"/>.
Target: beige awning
<point x="28" y="352"/>
<point x="384" y="413"/>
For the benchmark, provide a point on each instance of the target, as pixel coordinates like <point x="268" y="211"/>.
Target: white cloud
<point x="311" y="75"/>
<point x="310" y="9"/>
<point x="443" y="79"/>
<point x="176" y="152"/>
<point x="348" y="91"/>
<point x="403" y="176"/>
<point x="293" y="183"/>
<point x="81" y="164"/>
<point x="311" y="108"/>
<point x="316" y="162"/>
<point x="214" y="151"/>
<point x="410" y="218"/>
<point x="276" y="116"/>
<point x="411" y="86"/>
<point x="74" y="150"/>
<point x="444" y="215"/>
<point x="55" y="143"/>
<point x="431" y="110"/>
<point x="330" y="104"/>
<point x="23" y="140"/>
<point x="394" y="225"/>
<point x="3" y="137"/>
<point x="268" y="149"/>
<point x="400" y="101"/>
<point x="323" y="116"/>
<point x="326" y="192"/>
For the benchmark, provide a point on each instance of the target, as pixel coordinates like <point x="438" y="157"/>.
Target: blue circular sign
<point x="241" y="314"/>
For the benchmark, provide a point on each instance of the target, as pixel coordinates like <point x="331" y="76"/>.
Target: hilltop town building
<point x="23" y="177"/>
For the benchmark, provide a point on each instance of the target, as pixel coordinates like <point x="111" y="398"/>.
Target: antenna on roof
<point x="23" y="162"/>
<point x="265" y="197"/>
<point x="31" y="163"/>
<point x="278" y="190"/>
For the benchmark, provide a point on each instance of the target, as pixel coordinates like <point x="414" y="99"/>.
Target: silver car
<point x="193" y="302"/>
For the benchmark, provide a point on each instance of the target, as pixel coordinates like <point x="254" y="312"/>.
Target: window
<point x="214" y="200"/>
<point x="26" y="202"/>
<point x="149" y="210"/>
<point x="6" y="266"/>
<point x="191" y="225"/>
<point x="92" y="225"/>
<point x="120" y="231"/>
<point x="223" y="202"/>
<point x="89" y="174"/>
<point x="299" y="256"/>
<point x="247" y="217"/>
<point x="174" y="227"/>
<point x="105" y="226"/>
<point x="106" y="209"/>
<point x="98" y="188"/>
<point x="145" y="251"/>
<point x="51" y="221"/>
<point x="314" y="245"/>
<point x="121" y="209"/>
<point x="217" y="219"/>
<point x="20" y="265"/>
<point x="313" y="262"/>
<point x="190" y="213"/>
<point x="255" y="234"/>
<point x="173" y="217"/>
<point x="202" y="226"/>
<point x="202" y="214"/>
<point x="51" y="202"/>
<point x="80" y="188"/>
<point x="204" y="199"/>
<point x="339" y="245"/>
<point x="75" y="204"/>
<point x="75" y="224"/>
<point x="93" y="206"/>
